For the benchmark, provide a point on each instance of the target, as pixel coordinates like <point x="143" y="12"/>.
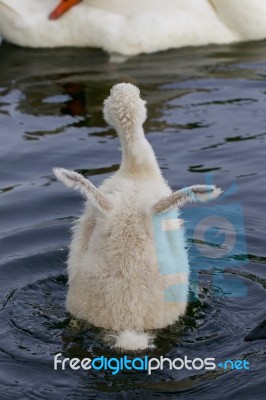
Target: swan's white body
<point x="114" y="278"/>
<point x="133" y="27"/>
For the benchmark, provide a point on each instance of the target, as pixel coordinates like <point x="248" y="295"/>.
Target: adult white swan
<point x="131" y="27"/>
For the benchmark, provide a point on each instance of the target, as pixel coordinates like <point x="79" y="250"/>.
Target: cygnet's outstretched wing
<point x="190" y="194"/>
<point x="76" y="181"/>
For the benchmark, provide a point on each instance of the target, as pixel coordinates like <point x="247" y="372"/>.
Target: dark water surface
<point x="207" y="113"/>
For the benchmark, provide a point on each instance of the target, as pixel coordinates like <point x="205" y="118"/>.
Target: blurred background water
<point x="206" y="115"/>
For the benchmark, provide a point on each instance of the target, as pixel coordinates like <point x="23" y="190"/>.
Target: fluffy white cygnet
<point x="114" y="278"/>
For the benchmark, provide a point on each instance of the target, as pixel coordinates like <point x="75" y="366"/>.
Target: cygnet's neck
<point x="138" y="158"/>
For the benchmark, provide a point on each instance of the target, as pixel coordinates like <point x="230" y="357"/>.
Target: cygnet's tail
<point x="129" y="340"/>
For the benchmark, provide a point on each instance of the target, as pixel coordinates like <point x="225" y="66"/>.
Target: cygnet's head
<point x="124" y="110"/>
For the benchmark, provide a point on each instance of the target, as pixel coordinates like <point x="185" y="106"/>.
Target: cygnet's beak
<point x="63" y="7"/>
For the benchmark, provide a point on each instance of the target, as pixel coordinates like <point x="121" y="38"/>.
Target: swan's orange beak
<point x="63" y="7"/>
